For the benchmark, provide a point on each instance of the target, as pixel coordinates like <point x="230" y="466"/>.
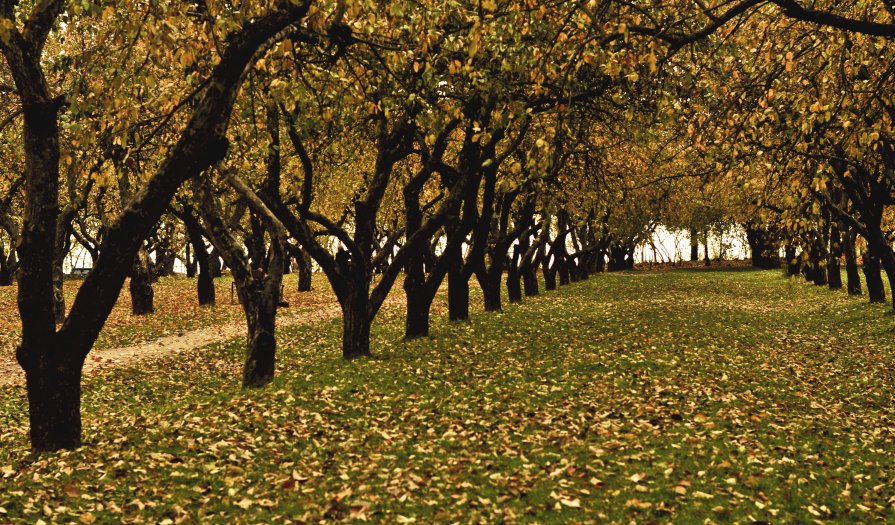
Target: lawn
<point x="686" y="396"/>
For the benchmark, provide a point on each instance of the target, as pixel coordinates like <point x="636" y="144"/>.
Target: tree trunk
<point x="851" y="264"/>
<point x="888" y="262"/>
<point x="834" y="276"/>
<point x="304" y="272"/>
<point x="549" y="275"/>
<point x="875" y="290"/>
<point x="818" y="273"/>
<point x="562" y="268"/>
<point x="355" y="324"/>
<point x="261" y="313"/>
<point x="419" y="304"/>
<point x="530" y="277"/>
<point x="54" y="401"/>
<point x="514" y="280"/>
<point x="205" y="283"/>
<point x="58" y="292"/>
<point x="189" y="262"/>
<point x="694" y="246"/>
<point x="491" y="289"/>
<point x="216" y="265"/>
<point x="793" y="263"/>
<point x="141" y="285"/>
<point x="458" y="296"/>
<point x="708" y="258"/>
<point x="7" y="264"/>
<point x="418" y="301"/>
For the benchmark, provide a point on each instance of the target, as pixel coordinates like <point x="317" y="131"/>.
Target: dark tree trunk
<point x="834" y="276"/>
<point x="216" y="264"/>
<point x="851" y="264"/>
<point x="888" y="262"/>
<point x="58" y="292"/>
<point x="141" y="285"/>
<point x="189" y="262"/>
<point x="530" y="275"/>
<point x="793" y="262"/>
<point x="261" y="314"/>
<point x="694" y="246"/>
<point x="205" y="283"/>
<point x="458" y="296"/>
<point x="562" y="268"/>
<point x="549" y="273"/>
<point x="762" y="247"/>
<point x="418" y="300"/>
<point x="419" y="304"/>
<point x="875" y="290"/>
<point x="708" y="258"/>
<point x="7" y="267"/>
<point x="490" y="283"/>
<point x="54" y="402"/>
<point x="530" y="283"/>
<point x="304" y="272"/>
<point x="514" y="286"/>
<point x="355" y="324"/>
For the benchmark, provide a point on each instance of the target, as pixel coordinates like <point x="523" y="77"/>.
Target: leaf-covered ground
<point x="689" y="396"/>
<point x="177" y="310"/>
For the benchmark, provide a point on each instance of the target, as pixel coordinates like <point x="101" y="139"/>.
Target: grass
<point x="686" y="396"/>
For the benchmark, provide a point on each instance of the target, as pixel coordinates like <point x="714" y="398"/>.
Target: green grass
<point x="685" y="396"/>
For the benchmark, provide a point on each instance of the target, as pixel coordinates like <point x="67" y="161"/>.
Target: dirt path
<point x="99" y="360"/>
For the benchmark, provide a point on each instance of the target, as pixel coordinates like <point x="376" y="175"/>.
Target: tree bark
<point x="694" y="246"/>
<point x="54" y="400"/>
<point x="851" y="264"/>
<point x="261" y="347"/>
<point x="141" y="285"/>
<point x="530" y="274"/>
<point x="356" y="325"/>
<point x="834" y="275"/>
<point x="7" y="266"/>
<point x="304" y="272"/>
<point x="419" y="304"/>
<point x="875" y="290"/>
<point x="514" y="280"/>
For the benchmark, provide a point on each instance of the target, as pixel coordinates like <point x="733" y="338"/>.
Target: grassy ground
<point x="688" y="396"/>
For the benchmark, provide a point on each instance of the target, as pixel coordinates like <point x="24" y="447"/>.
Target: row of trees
<point x="426" y="142"/>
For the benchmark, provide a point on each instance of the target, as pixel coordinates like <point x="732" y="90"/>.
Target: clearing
<point x="727" y="396"/>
